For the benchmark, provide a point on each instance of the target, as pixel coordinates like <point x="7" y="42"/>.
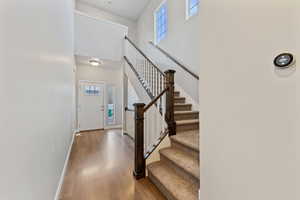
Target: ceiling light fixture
<point x="95" y="62"/>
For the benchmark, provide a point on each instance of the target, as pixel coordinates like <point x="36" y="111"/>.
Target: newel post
<point x="169" y="116"/>
<point x="139" y="159"/>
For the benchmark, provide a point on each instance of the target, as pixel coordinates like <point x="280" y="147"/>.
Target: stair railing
<point x="174" y="60"/>
<point x="154" y="121"/>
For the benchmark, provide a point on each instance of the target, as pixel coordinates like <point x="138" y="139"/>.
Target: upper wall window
<point x="192" y="8"/>
<point x="160" y="18"/>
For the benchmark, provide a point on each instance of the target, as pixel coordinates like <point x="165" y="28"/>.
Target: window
<point x="161" y="22"/>
<point x="111" y="104"/>
<point x="91" y="90"/>
<point x="192" y="8"/>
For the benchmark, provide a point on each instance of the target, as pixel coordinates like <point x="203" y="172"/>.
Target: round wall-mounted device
<point x="284" y="60"/>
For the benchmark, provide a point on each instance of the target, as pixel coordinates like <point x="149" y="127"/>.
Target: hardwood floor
<point x="100" y="168"/>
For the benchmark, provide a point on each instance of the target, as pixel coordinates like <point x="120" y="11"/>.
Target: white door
<point x="90" y="106"/>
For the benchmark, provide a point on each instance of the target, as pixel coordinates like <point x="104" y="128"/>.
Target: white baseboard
<point x="113" y="127"/>
<point x="61" y="180"/>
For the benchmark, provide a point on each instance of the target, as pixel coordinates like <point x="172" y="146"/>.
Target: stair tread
<point x="182" y="159"/>
<point x="179" y="97"/>
<point x="182" y="104"/>
<point x="187" y="121"/>
<point x="189" y="139"/>
<point x="178" y="187"/>
<point x="186" y="112"/>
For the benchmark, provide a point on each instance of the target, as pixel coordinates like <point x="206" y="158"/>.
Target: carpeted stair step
<point x="182" y="107"/>
<point x="185" y="115"/>
<point x="187" y="125"/>
<point x="187" y="142"/>
<point x="176" y="93"/>
<point x="183" y="163"/>
<point x="171" y="184"/>
<point x="179" y="99"/>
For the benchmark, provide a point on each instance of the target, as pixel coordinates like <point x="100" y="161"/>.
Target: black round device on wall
<point x="284" y="60"/>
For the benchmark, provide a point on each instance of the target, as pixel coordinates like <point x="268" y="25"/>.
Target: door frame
<point x="104" y="101"/>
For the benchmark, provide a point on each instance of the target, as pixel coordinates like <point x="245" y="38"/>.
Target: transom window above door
<point x="160" y="19"/>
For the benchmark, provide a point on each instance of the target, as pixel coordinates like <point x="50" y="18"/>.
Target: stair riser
<point x="187" y="127"/>
<point x="190" y="151"/>
<point x="183" y="108"/>
<point x="184" y="174"/>
<point x="181" y="100"/>
<point x="186" y="116"/>
<point x="160" y="187"/>
<point x="176" y="94"/>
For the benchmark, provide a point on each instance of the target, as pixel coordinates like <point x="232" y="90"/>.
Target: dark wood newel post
<point x="169" y="116"/>
<point x="139" y="159"/>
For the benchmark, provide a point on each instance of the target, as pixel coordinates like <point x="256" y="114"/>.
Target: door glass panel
<point x="111" y="104"/>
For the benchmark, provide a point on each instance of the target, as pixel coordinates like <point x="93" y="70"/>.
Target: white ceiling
<point x="130" y="9"/>
<point x="109" y="64"/>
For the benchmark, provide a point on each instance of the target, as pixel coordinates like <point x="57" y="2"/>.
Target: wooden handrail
<point x="140" y="110"/>
<point x="128" y="109"/>
<point x="155" y="99"/>
<point x="174" y="60"/>
<point x="144" y="55"/>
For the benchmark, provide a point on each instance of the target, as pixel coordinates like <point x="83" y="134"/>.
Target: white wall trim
<point x="113" y="127"/>
<point x="100" y="19"/>
<point x="61" y="180"/>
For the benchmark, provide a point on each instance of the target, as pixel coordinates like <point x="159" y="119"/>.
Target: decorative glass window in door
<point x="92" y="90"/>
<point x="111" y="105"/>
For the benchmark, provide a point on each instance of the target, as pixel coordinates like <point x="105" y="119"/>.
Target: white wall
<point x="110" y="73"/>
<point x="182" y="42"/>
<point x="99" y="13"/>
<point x="36" y="84"/>
<point x="250" y="142"/>
<point x="98" y="38"/>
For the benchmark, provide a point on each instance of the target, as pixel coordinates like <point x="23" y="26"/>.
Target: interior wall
<point x="249" y="110"/>
<point x="111" y="74"/>
<point x="36" y="84"/>
<point x="99" y="13"/>
<point x="181" y="41"/>
<point x="98" y="38"/>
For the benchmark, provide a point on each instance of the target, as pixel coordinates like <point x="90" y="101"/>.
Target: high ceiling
<point x="130" y="9"/>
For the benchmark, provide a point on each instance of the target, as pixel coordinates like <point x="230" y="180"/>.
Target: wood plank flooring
<point x="100" y="168"/>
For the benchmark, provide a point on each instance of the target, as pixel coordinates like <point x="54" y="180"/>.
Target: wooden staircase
<point x="177" y="174"/>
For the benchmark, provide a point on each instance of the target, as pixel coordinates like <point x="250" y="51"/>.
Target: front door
<point x="90" y="106"/>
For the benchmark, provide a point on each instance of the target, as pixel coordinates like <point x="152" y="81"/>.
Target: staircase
<point x="177" y="174"/>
